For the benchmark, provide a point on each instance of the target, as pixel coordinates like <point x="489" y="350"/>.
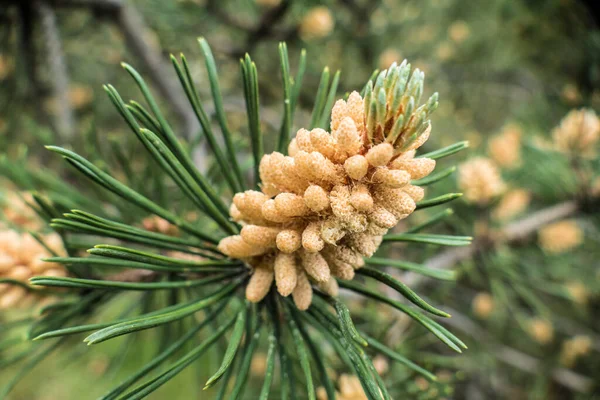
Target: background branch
<point x="518" y="359"/>
<point x="64" y="121"/>
<point x="513" y="232"/>
<point x="132" y="25"/>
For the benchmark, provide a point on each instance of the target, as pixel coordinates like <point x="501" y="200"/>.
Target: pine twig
<point x="215" y="7"/>
<point x="264" y="29"/>
<point x="58" y="69"/>
<point x="132" y="25"/>
<point x="520" y="360"/>
<point x="267" y="23"/>
<point x="26" y="45"/>
<point x="513" y="232"/>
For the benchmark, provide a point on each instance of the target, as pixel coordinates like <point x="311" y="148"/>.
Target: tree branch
<point x="513" y="232"/>
<point x="64" y="121"/>
<point x="264" y="29"/>
<point x="518" y="359"/>
<point x="132" y="25"/>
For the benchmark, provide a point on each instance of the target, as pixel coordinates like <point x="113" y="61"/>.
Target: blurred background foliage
<point x="527" y="312"/>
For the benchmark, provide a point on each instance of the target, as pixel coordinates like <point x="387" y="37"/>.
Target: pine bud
<point x="505" y="148"/>
<point x="285" y="273"/>
<point x="343" y="210"/>
<point x="332" y="230"/>
<point x="14" y="206"/>
<point x="415" y="192"/>
<point x="361" y="198"/>
<point x="315" y="265"/>
<point x="323" y="143"/>
<point x="288" y="241"/>
<point x="235" y="214"/>
<point x="382" y="217"/>
<point x="380" y="155"/>
<point x="293" y="147"/>
<point x="480" y="180"/>
<point x="330" y="287"/>
<point x="249" y="204"/>
<point x="375" y="230"/>
<point x="317" y="23"/>
<point x="391" y="178"/>
<point x="459" y="31"/>
<point x="271" y="213"/>
<point x="20" y="259"/>
<point x="395" y="201"/>
<point x="290" y="205"/>
<point x="236" y="247"/>
<point x="560" y="237"/>
<point x="578" y="292"/>
<point x="381" y="365"/>
<point x="363" y="244"/>
<point x="541" y="330"/>
<point x="12" y="297"/>
<point x="574" y="348"/>
<point x="356" y="167"/>
<point x="303" y="141"/>
<point x="512" y="204"/>
<point x="483" y="305"/>
<point x="578" y="132"/>
<point x="417" y="167"/>
<point x="311" y="238"/>
<point x="155" y="223"/>
<point x="316" y="198"/>
<point x="259" y="284"/>
<point x="303" y="292"/>
<point x="343" y="253"/>
<point x="347" y="137"/>
<point x="342" y="270"/>
<point x="260" y="236"/>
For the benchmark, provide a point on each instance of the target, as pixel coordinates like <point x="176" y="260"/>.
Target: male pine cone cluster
<point x="21" y="257"/>
<point x="328" y="203"/>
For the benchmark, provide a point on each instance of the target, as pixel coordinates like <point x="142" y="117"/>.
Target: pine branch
<point x="264" y="29"/>
<point x="521" y="229"/>
<point x="215" y="7"/>
<point x="132" y="26"/>
<point x="27" y="47"/>
<point x="268" y="20"/>
<point x="58" y="69"/>
<point x="518" y="359"/>
<point x="513" y="232"/>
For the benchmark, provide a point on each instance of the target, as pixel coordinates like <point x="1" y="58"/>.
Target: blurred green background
<point x="494" y="63"/>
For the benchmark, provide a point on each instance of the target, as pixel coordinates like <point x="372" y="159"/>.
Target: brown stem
<point x="132" y="25"/>
<point x="264" y="29"/>
<point x="518" y="359"/>
<point x="511" y="233"/>
<point x="216" y="8"/>
<point x="64" y="121"/>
